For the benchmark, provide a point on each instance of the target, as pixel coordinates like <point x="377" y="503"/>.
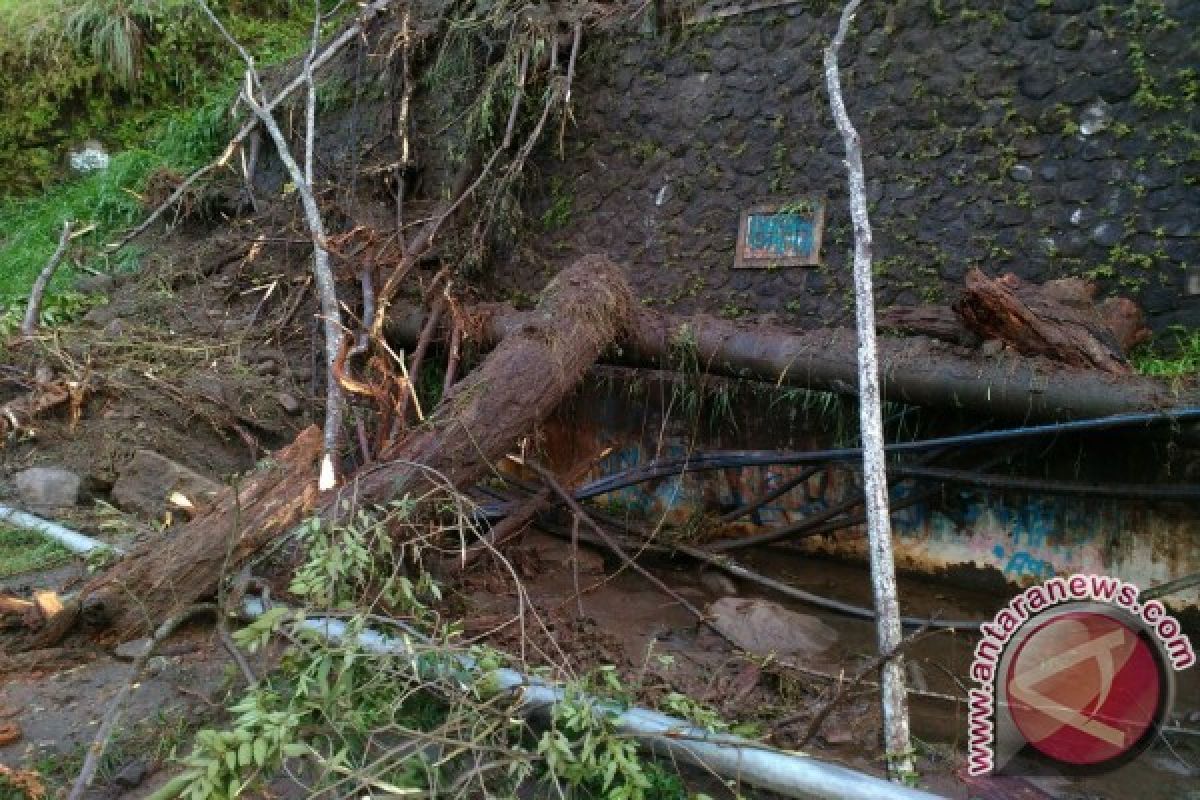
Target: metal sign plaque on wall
<point x="781" y="235"/>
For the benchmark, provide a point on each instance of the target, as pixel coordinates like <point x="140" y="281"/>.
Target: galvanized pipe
<point x="788" y="774"/>
<point x="73" y="541"/>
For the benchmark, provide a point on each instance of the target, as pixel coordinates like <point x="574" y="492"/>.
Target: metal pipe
<point x="788" y="774"/>
<point x="73" y="541"/>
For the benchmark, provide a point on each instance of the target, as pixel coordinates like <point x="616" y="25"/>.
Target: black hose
<point x="727" y="459"/>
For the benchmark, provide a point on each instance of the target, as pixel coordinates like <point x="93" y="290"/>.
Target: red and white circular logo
<point x="1085" y="688"/>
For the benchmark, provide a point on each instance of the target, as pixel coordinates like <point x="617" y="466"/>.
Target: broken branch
<point x="34" y="308"/>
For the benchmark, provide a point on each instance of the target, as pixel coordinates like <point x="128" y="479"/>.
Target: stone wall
<point x="1048" y="138"/>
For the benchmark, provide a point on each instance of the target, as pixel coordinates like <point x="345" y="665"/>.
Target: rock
<point x="1037" y="82"/>
<point x="762" y="628"/>
<point x="1021" y="173"/>
<point x="48" y="487"/>
<point x="1108" y="233"/>
<point x="288" y="402"/>
<point x="1095" y="118"/>
<point x="128" y="651"/>
<point x="145" y="483"/>
<point x="132" y="774"/>
<point x="1039" y="25"/>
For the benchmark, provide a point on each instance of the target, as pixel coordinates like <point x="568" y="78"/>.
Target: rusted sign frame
<point x="812" y="259"/>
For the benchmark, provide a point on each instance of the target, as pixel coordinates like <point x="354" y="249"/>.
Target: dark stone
<point x="1158" y="299"/>
<point x="1071" y="6"/>
<point x="1021" y="173"/>
<point x="132" y="774"/>
<point x="1079" y="90"/>
<point x="1048" y="171"/>
<point x="1017" y="11"/>
<point x="1118" y="85"/>
<point x="750" y="81"/>
<point x="725" y="60"/>
<point x="1163" y="199"/>
<point x="1079" y="191"/>
<point x="1154" y="178"/>
<point x="1037" y="82"/>
<point x="1179" y="226"/>
<point x="1039" y="25"/>
<point x="1112" y="56"/>
<point x="1071" y="244"/>
<point x="1029" y="146"/>
<point x="771" y="37"/>
<point x="997" y="42"/>
<point x="1008" y="216"/>
<point x="1071" y="35"/>
<point x="1108" y="233"/>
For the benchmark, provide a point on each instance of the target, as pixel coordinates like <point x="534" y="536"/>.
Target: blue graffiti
<point x="1023" y="564"/>
<point x="780" y="234"/>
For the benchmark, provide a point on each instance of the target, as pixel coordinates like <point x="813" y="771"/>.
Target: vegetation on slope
<point x="151" y="75"/>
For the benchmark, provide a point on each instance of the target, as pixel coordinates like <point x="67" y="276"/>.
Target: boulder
<point x="763" y="628"/>
<point x="146" y="483"/>
<point x="48" y="487"/>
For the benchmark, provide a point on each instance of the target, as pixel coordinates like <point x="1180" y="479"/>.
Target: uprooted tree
<point x="519" y="88"/>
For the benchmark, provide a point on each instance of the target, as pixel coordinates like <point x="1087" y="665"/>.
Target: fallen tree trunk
<point x="1058" y="320"/>
<point x="914" y="370"/>
<point x="481" y="418"/>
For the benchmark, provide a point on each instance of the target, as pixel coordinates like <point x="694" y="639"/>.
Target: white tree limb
<point x="331" y="314"/>
<point x="43" y="280"/>
<point x="879" y="528"/>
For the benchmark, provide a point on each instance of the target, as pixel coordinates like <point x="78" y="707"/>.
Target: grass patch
<point x="167" y="138"/>
<point x="1183" y="361"/>
<point x="24" y="551"/>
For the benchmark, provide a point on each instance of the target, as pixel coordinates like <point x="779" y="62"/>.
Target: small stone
<point x="128" y="651"/>
<point x="288" y="402"/>
<point x="1107" y="233"/>
<point x="991" y="348"/>
<point x="43" y="374"/>
<point x="48" y="487"/>
<point x="1039" y="25"/>
<point x="1037" y="83"/>
<point x="1095" y="118"/>
<point x="132" y="774"/>
<point x="1118" y="86"/>
<point x="1021" y="173"/>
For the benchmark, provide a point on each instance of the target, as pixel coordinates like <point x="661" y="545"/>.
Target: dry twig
<point x="43" y="280"/>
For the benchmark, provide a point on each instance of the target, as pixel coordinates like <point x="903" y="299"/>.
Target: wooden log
<point x="936" y="322"/>
<point x="1057" y="320"/>
<point x="914" y="370"/>
<point x="481" y="418"/>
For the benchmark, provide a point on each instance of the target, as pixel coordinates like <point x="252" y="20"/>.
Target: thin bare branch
<point x="34" y="308"/>
<point x="879" y="527"/>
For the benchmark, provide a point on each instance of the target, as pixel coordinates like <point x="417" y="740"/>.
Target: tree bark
<point x="914" y="370"/>
<point x="583" y="310"/>
<point x="1058" y="320"/>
